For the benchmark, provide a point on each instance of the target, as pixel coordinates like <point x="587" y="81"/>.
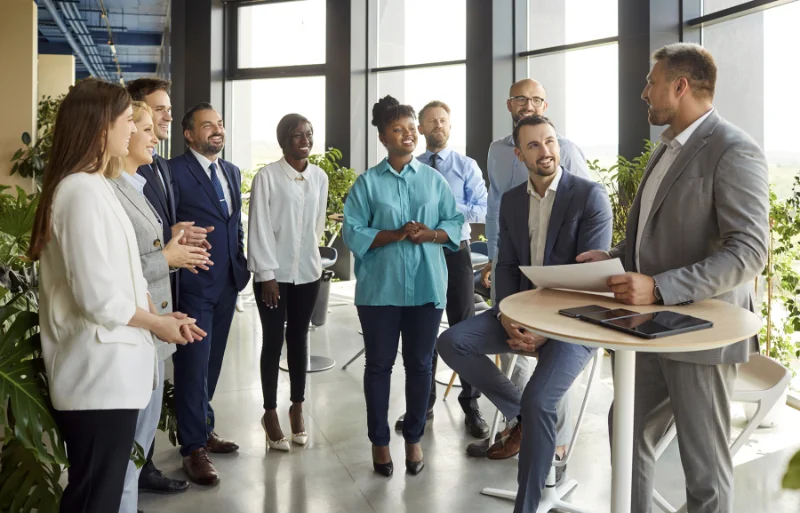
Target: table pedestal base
<point x="315" y="364"/>
<point x="552" y="497"/>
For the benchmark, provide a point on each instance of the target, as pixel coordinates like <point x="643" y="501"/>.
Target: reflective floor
<point x="334" y="472"/>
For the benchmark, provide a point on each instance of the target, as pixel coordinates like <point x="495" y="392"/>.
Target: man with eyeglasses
<point x="527" y="97"/>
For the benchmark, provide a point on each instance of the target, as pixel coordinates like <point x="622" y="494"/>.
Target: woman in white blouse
<point x="288" y="201"/>
<point x="97" y="321"/>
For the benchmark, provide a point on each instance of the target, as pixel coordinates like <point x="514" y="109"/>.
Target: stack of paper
<point x="590" y="277"/>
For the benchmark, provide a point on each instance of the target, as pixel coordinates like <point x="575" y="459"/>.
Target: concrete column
<point x="18" y="34"/>
<point x="56" y="75"/>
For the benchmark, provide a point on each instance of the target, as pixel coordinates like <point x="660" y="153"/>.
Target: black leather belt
<point x="463" y="245"/>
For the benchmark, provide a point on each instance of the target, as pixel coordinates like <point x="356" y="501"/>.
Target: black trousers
<point x="295" y="307"/>
<point x="460" y="306"/>
<point x="99" y="445"/>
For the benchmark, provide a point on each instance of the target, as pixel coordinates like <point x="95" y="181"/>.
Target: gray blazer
<point x="148" y="236"/>
<point x="580" y="219"/>
<point x="707" y="233"/>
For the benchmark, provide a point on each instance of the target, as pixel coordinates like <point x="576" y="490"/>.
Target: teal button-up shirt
<point x="401" y="273"/>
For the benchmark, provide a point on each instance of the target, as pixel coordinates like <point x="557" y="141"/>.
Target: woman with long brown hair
<point x="97" y="320"/>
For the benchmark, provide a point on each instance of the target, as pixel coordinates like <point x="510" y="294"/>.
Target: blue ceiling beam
<point x="129" y="38"/>
<point x="55" y="48"/>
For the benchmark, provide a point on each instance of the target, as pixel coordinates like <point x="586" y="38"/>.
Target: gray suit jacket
<point x="580" y="219"/>
<point x="148" y="237"/>
<point x="707" y="233"/>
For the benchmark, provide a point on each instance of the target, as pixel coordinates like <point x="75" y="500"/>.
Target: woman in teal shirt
<point x="398" y="216"/>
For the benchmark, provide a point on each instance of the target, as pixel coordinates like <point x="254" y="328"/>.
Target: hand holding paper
<point x="589" y="277"/>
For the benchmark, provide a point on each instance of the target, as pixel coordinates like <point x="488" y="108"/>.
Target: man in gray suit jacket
<point x="548" y="220"/>
<point x="697" y="229"/>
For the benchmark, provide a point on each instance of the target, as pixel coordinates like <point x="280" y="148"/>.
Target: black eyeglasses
<point x="523" y="100"/>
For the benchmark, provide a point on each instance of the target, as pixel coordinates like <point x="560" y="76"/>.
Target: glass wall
<point x="421" y="53"/>
<point x="754" y="55"/>
<point x="581" y="82"/>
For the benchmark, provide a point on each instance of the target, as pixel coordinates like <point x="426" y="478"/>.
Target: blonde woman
<point x="97" y="321"/>
<point x="157" y="260"/>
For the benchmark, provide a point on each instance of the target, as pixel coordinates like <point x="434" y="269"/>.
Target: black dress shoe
<point x="384" y="469"/>
<point x="399" y="424"/>
<point x="476" y="426"/>
<point x="415" y="467"/>
<point x="153" y="481"/>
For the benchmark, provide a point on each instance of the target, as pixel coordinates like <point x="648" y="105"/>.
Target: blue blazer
<point x="164" y="205"/>
<point x="196" y="200"/>
<point x="581" y="220"/>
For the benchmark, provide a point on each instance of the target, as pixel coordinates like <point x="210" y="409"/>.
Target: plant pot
<point x="772" y="417"/>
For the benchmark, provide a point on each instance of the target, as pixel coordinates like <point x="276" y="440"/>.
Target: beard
<point x="662" y="116"/>
<point x="436" y="139"/>
<point x="522" y="114"/>
<point x="209" y="148"/>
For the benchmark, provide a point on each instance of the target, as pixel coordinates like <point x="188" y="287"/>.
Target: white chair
<point x="762" y="381"/>
<point x="552" y="496"/>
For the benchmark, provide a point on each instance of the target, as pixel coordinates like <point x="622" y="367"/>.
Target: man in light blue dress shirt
<point x="527" y="97"/>
<point x="466" y="181"/>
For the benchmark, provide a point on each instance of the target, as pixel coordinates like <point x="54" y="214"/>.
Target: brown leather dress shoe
<point x="199" y="468"/>
<point x="219" y="445"/>
<point x="508" y="446"/>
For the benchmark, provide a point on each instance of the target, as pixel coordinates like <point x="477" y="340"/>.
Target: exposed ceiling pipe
<point x="75" y="20"/>
<point x="76" y="47"/>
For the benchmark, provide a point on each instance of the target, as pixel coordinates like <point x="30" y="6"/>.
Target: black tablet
<point x="606" y="315"/>
<point x="657" y="324"/>
<point x="581" y="310"/>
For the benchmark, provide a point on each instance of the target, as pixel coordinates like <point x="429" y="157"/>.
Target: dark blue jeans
<point x="382" y="327"/>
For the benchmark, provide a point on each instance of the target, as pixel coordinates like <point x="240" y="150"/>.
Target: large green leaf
<point x="26" y="484"/>
<point x="792" y="478"/>
<point x="21" y="388"/>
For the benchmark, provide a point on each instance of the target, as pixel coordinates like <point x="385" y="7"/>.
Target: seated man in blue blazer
<point x="549" y="220"/>
<point x="207" y="191"/>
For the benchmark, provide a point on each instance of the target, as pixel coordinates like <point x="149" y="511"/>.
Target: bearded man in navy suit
<point x="207" y="191"/>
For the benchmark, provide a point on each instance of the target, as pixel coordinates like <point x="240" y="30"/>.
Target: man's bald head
<point x="526" y="97"/>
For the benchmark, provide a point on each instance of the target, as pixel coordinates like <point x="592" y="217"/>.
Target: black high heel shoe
<point x="415" y="467"/>
<point x="384" y="469"/>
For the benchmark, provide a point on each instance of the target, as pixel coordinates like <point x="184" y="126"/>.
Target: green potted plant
<point x="31" y="160"/>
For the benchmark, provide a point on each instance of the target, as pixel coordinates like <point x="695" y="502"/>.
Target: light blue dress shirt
<point x="506" y="172"/>
<point x="401" y="273"/>
<point x="466" y="182"/>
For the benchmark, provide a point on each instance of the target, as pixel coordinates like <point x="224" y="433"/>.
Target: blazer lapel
<point x="138" y="201"/>
<point x="200" y="175"/>
<point x="633" y="214"/>
<point x="167" y="172"/>
<point x="234" y="187"/>
<point x="561" y="203"/>
<point x="523" y="234"/>
<point x="152" y="182"/>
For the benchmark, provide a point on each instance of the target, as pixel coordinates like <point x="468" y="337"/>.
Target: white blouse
<point x="286" y="222"/>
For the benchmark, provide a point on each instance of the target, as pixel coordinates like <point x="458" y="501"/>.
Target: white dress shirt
<point x="539" y="217"/>
<point x="674" y="145"/>
<point x="285" y="224"/>
<point x="223" y="180"/>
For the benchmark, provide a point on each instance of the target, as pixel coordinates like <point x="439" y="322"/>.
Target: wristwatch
<point x="657" y="293"/>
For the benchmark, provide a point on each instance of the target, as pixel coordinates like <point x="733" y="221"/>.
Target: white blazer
<point x="90" y="285"/>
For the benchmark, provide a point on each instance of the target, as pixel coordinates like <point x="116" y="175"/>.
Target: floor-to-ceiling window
<point x="417" y="53"/>
<point x="281" y="57"/>
<point x="572" y="51"/>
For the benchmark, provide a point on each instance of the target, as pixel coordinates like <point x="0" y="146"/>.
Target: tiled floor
<point x="334" y="474"/>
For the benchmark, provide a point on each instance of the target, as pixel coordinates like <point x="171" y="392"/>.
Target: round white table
<point x="537" y="310"/>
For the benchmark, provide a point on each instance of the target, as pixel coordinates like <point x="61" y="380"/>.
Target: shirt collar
<point x="553" y="185"/>
<point x="679" y="140"/>
<point x="137" y="181"/>
<point x="384" y="166"/>
<point x="443" y="154"/>
<point x="204" y="162"/>
<point x="290" y="172"/>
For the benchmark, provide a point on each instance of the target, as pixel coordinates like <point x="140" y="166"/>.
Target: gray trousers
<point x="146" y="426"/>
<point x="697" y="397"/>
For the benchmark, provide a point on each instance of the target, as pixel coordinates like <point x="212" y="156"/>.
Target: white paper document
<point x="590" y="277"/>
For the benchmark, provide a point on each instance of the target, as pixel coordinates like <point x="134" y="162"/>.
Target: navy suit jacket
<point x="581" y="220"/>
<point x="196" y="200"/>
<point x="164" y="205"/>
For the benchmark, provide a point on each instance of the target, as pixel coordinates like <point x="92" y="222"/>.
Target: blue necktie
<point x="218" y="188"/>
<point x="434" y="158"/>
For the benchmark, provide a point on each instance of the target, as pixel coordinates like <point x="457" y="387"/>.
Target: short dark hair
<point x="433" y="105"/>
<point x="142" y="87"/>
<point x="187" y="123"/>
<point x="388" y="110"/>
<point x="286" y="125"/>
<point x="530" y="121"/>
<point x="692" y="62"/>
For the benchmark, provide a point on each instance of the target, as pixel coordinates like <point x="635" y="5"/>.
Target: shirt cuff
<point x="264" y="276"/>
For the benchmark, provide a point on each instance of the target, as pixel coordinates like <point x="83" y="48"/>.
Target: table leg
<point x="622" y="453"/>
